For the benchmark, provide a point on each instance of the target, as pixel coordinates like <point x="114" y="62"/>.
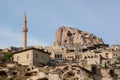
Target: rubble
<point x="67" y="72"/>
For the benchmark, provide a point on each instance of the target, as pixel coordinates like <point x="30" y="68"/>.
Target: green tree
<point x="8" y="56"/>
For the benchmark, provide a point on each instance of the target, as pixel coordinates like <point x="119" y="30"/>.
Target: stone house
<point x="32" y="56"/>
<point x="91" y="58"/>
<point x="61" y="54"/>
<point x="103" y="57"/>
<point x="109" y="56"/>
<point x="56" y="53"/>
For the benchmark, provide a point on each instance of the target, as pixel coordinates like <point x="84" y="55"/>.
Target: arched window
<point x="85" y="57"/>
<point x="113" y="54"/>
<point x="91" y="56"/>
<point x="60" y="55"/>
<point x="56" y="56"/>
<point x="88" y="56"/>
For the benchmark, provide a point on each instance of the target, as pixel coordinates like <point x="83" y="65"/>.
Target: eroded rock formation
<point x="67" y="36"/>
<point x="66" y="72"/>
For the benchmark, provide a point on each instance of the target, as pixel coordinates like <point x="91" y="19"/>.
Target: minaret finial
<point x="25" y="19"/>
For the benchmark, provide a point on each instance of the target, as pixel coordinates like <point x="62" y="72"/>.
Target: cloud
<point x="32" y="41"/>
<point x="9" y="37"/>
<point x="12" y="37"/>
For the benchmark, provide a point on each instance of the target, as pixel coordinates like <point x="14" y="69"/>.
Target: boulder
<point x="8" y="65"/>
<point x="54" y="76"/>
<point x="106" y="75"/>
<point x="42" y="75"/>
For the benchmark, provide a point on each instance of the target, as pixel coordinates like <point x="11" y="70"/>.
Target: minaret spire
<point x="25" y="30"/>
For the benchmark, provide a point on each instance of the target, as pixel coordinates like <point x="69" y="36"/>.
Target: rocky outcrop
<point x="104" y="74"/>
<point x="67" y="36"/>
<point x="67" y="72"/>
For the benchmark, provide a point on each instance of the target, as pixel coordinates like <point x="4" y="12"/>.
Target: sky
<point x="44" y="17"/>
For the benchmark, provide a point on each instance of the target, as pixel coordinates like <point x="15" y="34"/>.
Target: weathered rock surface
<point x="67" y="36"/>
<point x="67" y="72"/>
<point x="104" y="74"/>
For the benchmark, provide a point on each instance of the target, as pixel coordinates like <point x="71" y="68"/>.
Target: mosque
<point x="30" y="55"/>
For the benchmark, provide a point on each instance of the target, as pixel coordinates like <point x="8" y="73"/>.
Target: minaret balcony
<point x="25" y="30"/>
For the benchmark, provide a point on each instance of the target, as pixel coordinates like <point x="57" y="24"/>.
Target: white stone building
<point x="32" y="56"/>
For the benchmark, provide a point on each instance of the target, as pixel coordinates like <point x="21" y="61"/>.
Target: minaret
<point x="25" y="30"/>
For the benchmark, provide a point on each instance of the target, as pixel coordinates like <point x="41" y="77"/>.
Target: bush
<point x="8" y="56"/>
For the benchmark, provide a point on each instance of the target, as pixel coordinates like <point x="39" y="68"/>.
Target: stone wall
<point x="24" y="58"/>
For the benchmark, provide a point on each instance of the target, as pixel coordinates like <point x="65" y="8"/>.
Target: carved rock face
<point x="67" y="36"/>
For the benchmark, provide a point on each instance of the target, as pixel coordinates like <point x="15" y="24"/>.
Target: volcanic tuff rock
<point x="67" y="36"/>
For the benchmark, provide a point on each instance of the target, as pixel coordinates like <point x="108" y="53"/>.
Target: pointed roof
<point x="25" y="19"/>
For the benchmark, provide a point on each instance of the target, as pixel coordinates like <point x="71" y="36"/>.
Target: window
<point x="18" y="58"/>
<point x="106" y="54"/>
<point x="27" y="56"/>
<point x="88" y="56"/>
<point x="55" y="56"/>
<point x="58" y="55"/>
<point x="113" y="54"/>
<point x="85" y="57"/>
<point x="28" y="69"/>
<point x="36" y="56"/>
<point x="91" y="56"/>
